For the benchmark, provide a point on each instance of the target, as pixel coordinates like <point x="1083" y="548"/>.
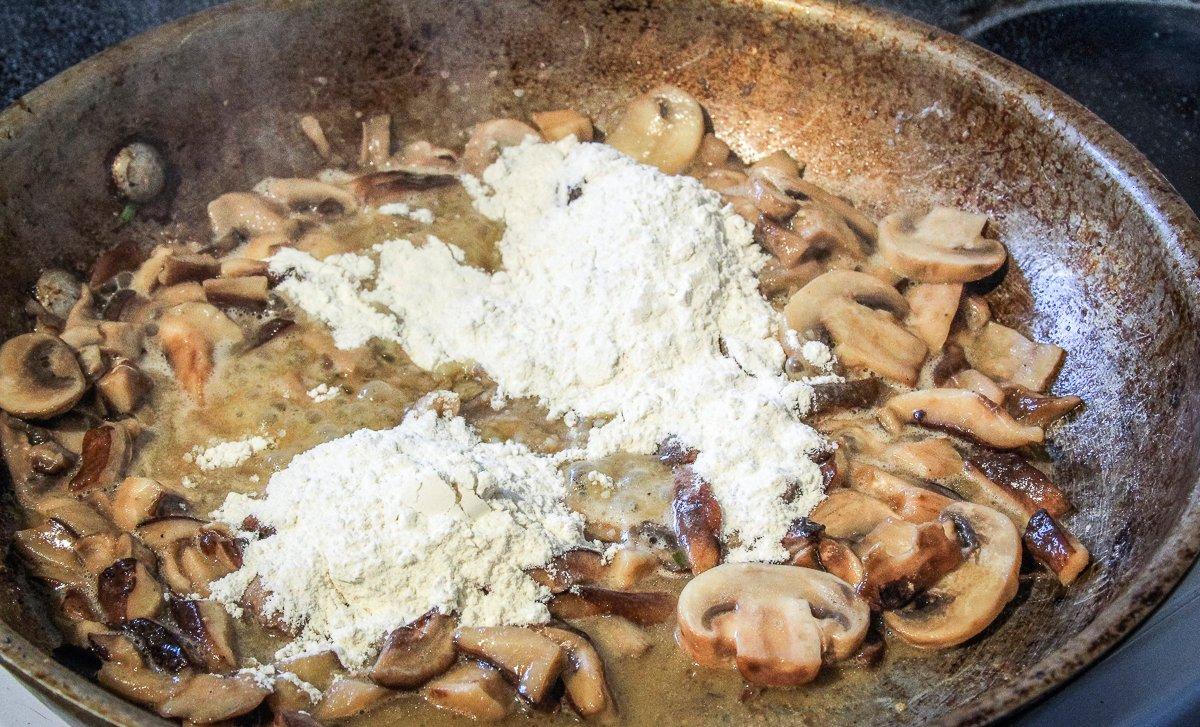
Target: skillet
<point x="887" y="111"/>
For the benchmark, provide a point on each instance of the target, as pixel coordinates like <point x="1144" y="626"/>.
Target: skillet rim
<point x="1175" y="224"/>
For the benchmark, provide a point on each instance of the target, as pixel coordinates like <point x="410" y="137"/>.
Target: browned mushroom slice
<point x="825" y="232"/>
<point x="806" y="309"/>
<point x="471" y="690"/>
<point x="39" y="376"/>
<point x="255" y="600"/>
<point x="107" y="451"/>
<point x="207" y="625"/>
<point x="849" y="514"/>
<point x="663" y="127"/>
<point x="416" y="653"/>
<point x="833" y="395"/>
<point x="126" y="591"/>
<point x="190" y="334"/>
<point x="697" y="520"/>
<point x="532" y="661"/>
<point x="963" y="602"/>
<point x="965" y="413"/>
<point x="1054" y="547"/>
<point x="835" y="557"/>
<point x="1037" y="410"/>
<point x="562" y="123"/>
<point x="209" y="698"/>
<point x="644" y="608"/>
<point x="162" y="646"/>
<point x="614" y="635"/>
<point x="49" y="550"/>
<point x="183" y="267"/>
<point x="777" y="624"/>
<point x="347" y="697"/>
<point x="139" y="499"/>
<point x="489" y="138"/>
<point x="973" y="380"/>
<point x="796" y="187"/>
<point x="101" y="550"/>
<point x="901" y="559"/>
<point x="243" y="267"/>
<point x="238" y="216"/>
<point x="382" y="187"/>
<point x="79" y="516"/>
<point x="124" y="672"/>
<point x="931" y="311"/>
<point x="1007" y="356"/>
<point x="942" y="246"/>
<point x="570" y="568"/>
<point x="123" y="387"/>
<point x="909" y="501"/>
<point x="787" y="247"/>
<point x="214" y="555"/>
<point x="927" y="459"/>
<point x="303" y="195"/>
<point x="587" y="690"/>
<point x="1012" y="472"/>
<point x="248" y="292"/>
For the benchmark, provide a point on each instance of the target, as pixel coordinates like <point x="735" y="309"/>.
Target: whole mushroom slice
<point x="806" y="309"/>
<point x="1054" y="547"/>
<point x="39" y="376"/>
<point x="663" y="127"/>
<point x="239" y="216"/>
<point x="965" y="413"/>
<point x="907" y="500"/>
<point x="963" y="602"/>
<point x="49" y="551"/>
<point x="776" y="623"/>
<point x="139" y="683"/>
<point x="138" y="499"/>
<point x="933" y="458"/>
<point x="489" y="138"/>
<point x="931" y="311"/>
<point x="415" y="653"/>
<point x="901" y="559"/>
<point x="943" y="245"/>
<point x="127" y="591"/>
<point x="107" y="452"/>
<point x="583" y="677"/>
<point x="1012" y="472"/>
<point x="347" y="697"/>
<point x="1007" y="356"/>
<point x="378" y="188"/>
<point x="697" y="519"/>
<point x="645" y="608"/>
<point x="301" y="195"/>
<point x="81" y="517"/>
<point x="849" y="514"/>
<point x="530" y="660"/>
<point x="209" y="698"/>
<point x="471" y="690"/>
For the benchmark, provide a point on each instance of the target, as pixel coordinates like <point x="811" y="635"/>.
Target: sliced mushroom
<point x="794" y="186"/>
<point x="347" y="697"/>
<point x="416" y="653"/>
<point x="942" y="246"/>
<point x="714" y="154"/>
<point x="615" y="636"/>
<point x="207" y="625"/>
<point x="140" y="684"/>
<point x="39" y="376"/>
<point x="697" y="520"/>
<point x="107" y="451"/>
<point x="965" y="413"/>
<point x="787" y="247"/>
<point x="586" y="687"/>
<point x="569" y="569"/>
<point x="209" y="698"/>
<point x="1054" y="547"/>
<point x="532" y="661"/>
<point x="562" y="123"/>
<point x="138" y="499"/>
<point x="973" y="380"/>
<point x="776" y="623"/>
<point x="909" y="501"/>
<point x="931" y="311"/>
<point x="254" y="599"/>
<point x="291" y="717"/>
<point x="1037" y="410"/>
<point x="489" y="138"/>
<point x="183" y="267"/>
<point x="164" y="648"/>
<point x="927" y="459"/>
<point x="807" y="309"/>
<point x="963" y="602"/>
<point x="239" y="216"/>
<point x="382" y="187"/>
<point x="619" y="493"/>
<point x="833" y="395"/>
<point x="190" y="334"/>
<point x="644" y="608"/>
<point x="1012" y="472"/>
<point x="376" y="146"/>
<point x="662" y="127"/>
<point x="124" y="387"/>
<point x="629" y="565"/>
<point x="58" y="291"/>
<point x="243" y="267"/>
<point x="901" y="559"/>
<point x="301" y="195"/>
<point x="421" y="156"/>
<point x="49" y="550"/>
<point x="1007" y="356"/>
<point x="126" y="591"/>
<point x="471" y="690"/>
<point x="247" y="291"/>
<point x="213" y="556"/>
<point x="161" y="533"/>
<point x="80" y="517"/>
<point x="849" y="514"/>
<point x="317" y="669"/>
<point x="311" y="127"/>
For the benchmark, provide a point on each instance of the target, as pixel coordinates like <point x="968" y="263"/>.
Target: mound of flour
<point x="624" y="294"/>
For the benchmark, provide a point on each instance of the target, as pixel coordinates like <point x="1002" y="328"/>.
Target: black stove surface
<point x="1136" y="64"/>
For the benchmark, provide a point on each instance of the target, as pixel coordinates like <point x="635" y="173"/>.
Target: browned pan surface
<point x="887" y="111"/>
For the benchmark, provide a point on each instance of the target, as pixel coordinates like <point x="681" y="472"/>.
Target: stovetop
<point x="1135" y="64"/>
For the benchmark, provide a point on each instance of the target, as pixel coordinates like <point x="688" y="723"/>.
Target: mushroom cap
<point x="663" y="127"/>
<point x="942" y="246"/>
<point x="776" y="623"/>
<point x="39" y="376"/>
<point x="963" y="602"/>
<point x="807" y="307"/>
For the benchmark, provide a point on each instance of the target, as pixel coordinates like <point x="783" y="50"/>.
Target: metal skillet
<point x="884" y="110"/>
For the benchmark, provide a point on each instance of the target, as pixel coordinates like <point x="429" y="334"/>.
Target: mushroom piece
<point x="138" y="499"/>
<point x="583" y="677"/>
<point x="901" y="559"/>
<point x="124" y="672"/>
<point x="239" y="216"/>
<point x="1011" y="472"/>
<point x="1054" y="547"/>
<point x="931" y="311"/>
<point x="615" y="636"/>
<point x="842" y="302"/>
<point x="300" y="195"/>
<point x="126" y="591"/>
<point x="530" y="660"/>
<point x="644" y="608"/>
<point x="966" y="414"/>
<point x="629" y="565"/>
<point x="244" y="267"/>
<point x="907" y="500"/>
<point x="697" y="520"/>
<point x="246" y="291"/>
<point x="39" y="376"/>
<point x="123" y="387"/>
<point x="787" y="247"/>
<point x="927" y="459"/>
<point x="182" y="267"/>
<point x="312" y="129"/>
<point x="376" y="146"/>
<point x="833" y="395"/>
<point x="206" y="624"/>
<point x="209" y="698"/>
<point x="106" y="452"/>
<point x="421" y="156"/>
<point x="569" y="569"/>
<point x="416" y="653"/>
<point x="849" y="514"/>
<point x="794" y="186"/>
<point x="942" y="246"/>
<point x="347" y="697"/>
<point x="190" y="334"/>
<point x="825" y="231"/>
<point x="715" y="154"/>
<point x="776" y="623"/>
<point x="163" y="647"/>
<point x="963" y="602"/>
<point x="1007" y="356"/>
<point x="562" y="123"/>
<point x="489" y="138"/>
<point x="973" y="380"/>
<point x="471" y="690"/>
<point x="619" y="493"/>
<point x="380" y="188"/>
<point x="290" y="717"/>
<point x="663" y="127"/>
<point x="139" y="172"/>
<point x="49" y="551"/>
<point x="1029" y="407"/>
<point x="58" y="291"/>
<point x="82" y="519"/>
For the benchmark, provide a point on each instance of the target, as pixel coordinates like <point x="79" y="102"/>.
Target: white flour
<point x="624" y="293"/>
<point x="400" y="209"/>
<point x="323" y="392"/>
<point x="228" y="454"/>
<point x="376" y="528"/>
